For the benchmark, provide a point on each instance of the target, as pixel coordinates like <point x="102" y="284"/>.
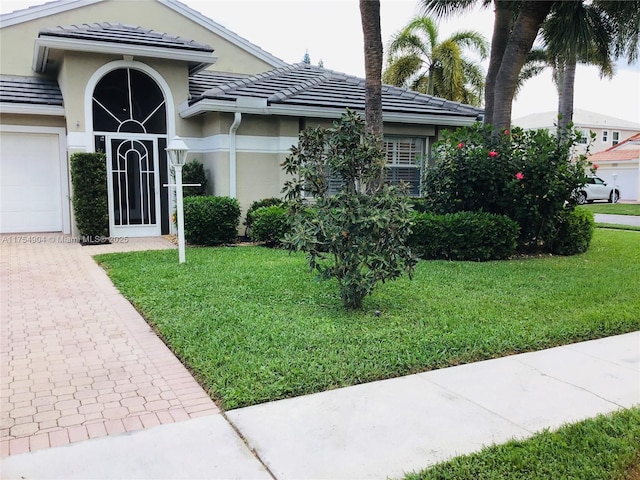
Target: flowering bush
<point x="526" y="175"/>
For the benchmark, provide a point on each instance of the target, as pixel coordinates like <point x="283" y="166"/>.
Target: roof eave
<point x="44" y="44"/>
<point x="215" y="105"/>
<point x="31" y="109"/>
<point x="39" y="11"/>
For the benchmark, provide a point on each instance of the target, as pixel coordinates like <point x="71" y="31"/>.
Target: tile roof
<point x="123" y="34"/>
<point x="628" y="149"/>
<point x="311" y="86"/>
<point x="29" y="90"/>
<point x="581" y="119"/>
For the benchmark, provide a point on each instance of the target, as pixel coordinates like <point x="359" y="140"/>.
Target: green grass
<point x="255" y="325"/>
<point x="604" y="448"/>
<point x="614" y="208"/>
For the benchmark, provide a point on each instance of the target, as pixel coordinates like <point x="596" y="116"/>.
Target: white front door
<point x="133" y="182"/>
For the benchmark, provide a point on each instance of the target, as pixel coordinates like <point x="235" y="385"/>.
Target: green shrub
<point x="359" y="235"/>
<point x="270" y="224"/>
<point x="193" y="172"/>
<point x="528" y="175"/>
<point x="420" y="204"/>
<point x="211" y="220"/>
<point x="90" y="204"/>
<point x="574" y="233"/>
<point x="476" y="236"/>
<point x="265" y="202"/>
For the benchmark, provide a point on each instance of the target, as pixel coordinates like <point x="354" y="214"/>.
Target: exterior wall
<point x="17" y="41"/>
<point x="627" y="177"/>
<point x="598" y="143"/>
<point x="262" y="144"/>
<point x="77" y="69"/>
<point x="33" y="120"/>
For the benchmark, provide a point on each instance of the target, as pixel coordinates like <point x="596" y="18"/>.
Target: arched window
<point x="129" y="101"/>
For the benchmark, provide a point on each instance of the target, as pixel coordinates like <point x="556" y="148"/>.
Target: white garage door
<point x="30" y="182"/>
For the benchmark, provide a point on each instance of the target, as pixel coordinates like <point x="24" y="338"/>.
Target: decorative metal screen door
<point x="134" y="186"/>
<point x="129" y="123"/>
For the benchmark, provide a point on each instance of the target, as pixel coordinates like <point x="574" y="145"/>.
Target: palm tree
<point x="576" y="32"/>
<point x="515" y="28"/>
<point x="370" y="17"/>
<point x="419" y="61"/>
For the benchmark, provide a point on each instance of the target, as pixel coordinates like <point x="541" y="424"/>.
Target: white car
<point x="598" y="189"/>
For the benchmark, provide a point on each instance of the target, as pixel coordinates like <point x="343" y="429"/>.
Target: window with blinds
<point x="404" y="162"/>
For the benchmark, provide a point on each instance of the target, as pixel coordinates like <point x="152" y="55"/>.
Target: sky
<point x="330" y="30"/>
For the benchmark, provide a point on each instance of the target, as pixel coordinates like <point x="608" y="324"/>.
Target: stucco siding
<point x="32" y="120"/>
<point x="258" y="177"/>
<point x="17" y="41"/>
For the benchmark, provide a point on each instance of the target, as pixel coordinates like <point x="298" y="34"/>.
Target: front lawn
<point x="254" y="325"/>
<point x="614" y="208"/>
<point x="603" y="448"/>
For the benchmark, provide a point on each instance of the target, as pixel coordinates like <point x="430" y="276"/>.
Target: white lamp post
<point x="177" y="151"/>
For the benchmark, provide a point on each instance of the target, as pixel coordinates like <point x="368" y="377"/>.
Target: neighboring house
<point x="609" y="131"/>
<point x="126" y="77"/>
<point x="623" y="161"/>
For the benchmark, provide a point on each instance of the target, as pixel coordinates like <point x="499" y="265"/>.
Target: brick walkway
<point x="77" y="360"/>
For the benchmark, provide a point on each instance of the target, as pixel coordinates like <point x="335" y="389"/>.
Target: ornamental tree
<point x="359" y="234"/>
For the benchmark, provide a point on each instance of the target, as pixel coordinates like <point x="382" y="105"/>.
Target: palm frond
<point x="448" y="8"/>
<point x="473" y="41"/>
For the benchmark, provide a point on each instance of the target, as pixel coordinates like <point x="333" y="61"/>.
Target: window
<point x="616" y="138"/>
<point x="404" y="162"/>
<point x="584" y="136"/>
<point x="605" y="136"/>
<point x="404" y="159"/>
<point x="128" y="100"/>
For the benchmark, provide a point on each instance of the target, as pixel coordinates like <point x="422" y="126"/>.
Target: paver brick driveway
<point x="78" y="361"/>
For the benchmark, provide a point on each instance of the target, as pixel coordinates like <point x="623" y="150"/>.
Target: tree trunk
<point x="558" y="78"/>
<point x="370" y="16"/>
<point x="525" y="29"/>
<point x="565" y="98"/>
<point x="501" y="30"/>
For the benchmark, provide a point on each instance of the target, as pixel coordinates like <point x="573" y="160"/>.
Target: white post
<point x="180" y="208"/>
<point x="613" y="192"/>
<point x="177" y="151"/>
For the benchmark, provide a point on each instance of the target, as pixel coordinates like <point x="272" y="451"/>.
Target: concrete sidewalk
<point x="617" y="219"/>
<point x="376" y="430"/>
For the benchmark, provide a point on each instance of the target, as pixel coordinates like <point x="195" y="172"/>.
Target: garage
<point x="33" y="185"/>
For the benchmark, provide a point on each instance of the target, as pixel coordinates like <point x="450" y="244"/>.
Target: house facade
<point x="609" y="131"/>
<point x="127" y="77"/>
<point x="621" y="163"/>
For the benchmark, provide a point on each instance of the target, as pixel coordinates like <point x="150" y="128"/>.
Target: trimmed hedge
<point x="265" y="202"/>
<point x="193" y="172"/>
<point x="476" y="236"/>
<point x="575" y="231"/>
<point x="211" y="220"/>
<point x="90" y="203"/>
<point x="270" y="224"/>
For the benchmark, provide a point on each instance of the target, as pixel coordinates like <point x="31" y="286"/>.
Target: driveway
<point x="78" y="361"/>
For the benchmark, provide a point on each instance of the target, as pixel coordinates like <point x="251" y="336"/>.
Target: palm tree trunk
<point x="530" y="18"/>
<point x="501" y="30"/>
<point x="370" y="17"/>
<point x="565" y="98"/>
<point x="558" y="79"/>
